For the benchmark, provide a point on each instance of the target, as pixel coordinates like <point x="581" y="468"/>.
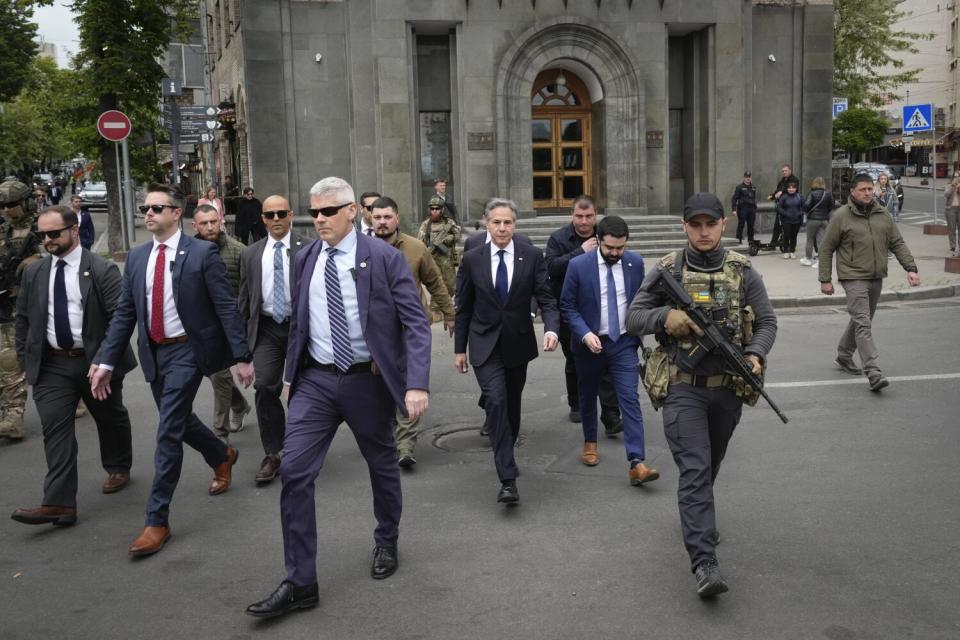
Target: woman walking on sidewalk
<point x="952" y="212"/>
<point x="887" y="196"/>
<point x="790" y="210"/>
<point x="818" y="205"/>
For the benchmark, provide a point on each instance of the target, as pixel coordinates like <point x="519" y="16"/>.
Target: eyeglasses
<point x="155" y="208"/>
<point x="368" y="207"/>
<point x="53" y="234"/>
<point x="328" y="212"/>
<point x="279" y="214"/>
<point x="436" y="208"/>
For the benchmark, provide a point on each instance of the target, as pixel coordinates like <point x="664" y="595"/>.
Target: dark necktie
<point x="279" y="285"/>
<point x="613" y="309"/>
<point x="339" y="333"/>
<point x="370" y="231"/>
<point x="156" y="297"/>
<point x="61" y="317"/>
<point x="501" y="281"/>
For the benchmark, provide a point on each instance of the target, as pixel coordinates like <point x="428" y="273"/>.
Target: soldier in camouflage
<point x="19" y="246"/>
<point x="441" y="235"/>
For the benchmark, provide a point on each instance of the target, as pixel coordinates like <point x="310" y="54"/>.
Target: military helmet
<point x="13" y="191"/>
<point x="436" y="201"/>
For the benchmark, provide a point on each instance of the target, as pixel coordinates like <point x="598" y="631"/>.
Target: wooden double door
<point x="560" y="144"/>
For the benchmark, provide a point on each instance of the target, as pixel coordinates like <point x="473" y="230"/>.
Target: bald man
<point x="264" y="300"/>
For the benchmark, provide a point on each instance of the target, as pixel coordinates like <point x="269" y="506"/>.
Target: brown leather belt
<point x="166" y="341"/>
<point x="67" y="353"/>
<point x="709" y="382"/>
<point x="358" y="367"/>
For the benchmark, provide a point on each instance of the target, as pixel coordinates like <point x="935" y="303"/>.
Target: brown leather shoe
<point x="268" y="468"/>
<point x="115" y="482"/>
<point x="641" y="473"/>
<point x="150" y="540"/>
<point x="222" y="473"/>
<point x="590" y="456"/>
<point x="58" y="516"/>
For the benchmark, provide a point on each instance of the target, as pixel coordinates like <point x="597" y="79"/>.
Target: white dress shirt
<point x="321" y="340"/>
<point x="266" y="273"/>
<point x="621" y="295"/>
<point x="495" y="262"/>
<point x="172" y="327"/>
<point x="71" y="278"/>
<point x="364" y="226"/>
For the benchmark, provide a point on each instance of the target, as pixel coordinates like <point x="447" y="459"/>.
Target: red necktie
<point x="156" y="299"/>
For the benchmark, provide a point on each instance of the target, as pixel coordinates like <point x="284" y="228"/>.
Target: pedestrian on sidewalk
<point x="210" y="198"/>
<point x="744" y="207"/>
<point x="886" y="195"/>
<point x="952" y="212"/>
<point x="817" y="206"/>
<point x="786" y="176"/>
<point x="861" y="233"/>
<point x="790" y="212"/>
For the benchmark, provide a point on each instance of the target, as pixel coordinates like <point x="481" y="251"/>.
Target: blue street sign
<point x="917" y="117"/>
<point x="839" y="106"/>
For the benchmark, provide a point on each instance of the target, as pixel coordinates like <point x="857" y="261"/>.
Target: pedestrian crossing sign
<point x="917" y="117"/>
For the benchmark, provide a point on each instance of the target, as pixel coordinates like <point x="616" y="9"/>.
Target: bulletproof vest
<point x="718" y="293"/>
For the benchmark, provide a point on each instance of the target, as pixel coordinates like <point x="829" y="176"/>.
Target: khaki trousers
<point x="226" y="397"/>
<point x="953" y="217"/>
<point x="862" y="299"/>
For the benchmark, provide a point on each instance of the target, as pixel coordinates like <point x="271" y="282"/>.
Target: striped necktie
<point x="339" y="333"/>
<point x="279" y="285"/>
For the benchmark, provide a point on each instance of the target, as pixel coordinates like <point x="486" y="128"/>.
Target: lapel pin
<point x="183" y="253"/>
<point x="86" y="273"/>
<point x="520" y="259"/>
<point x="363" y="265"/>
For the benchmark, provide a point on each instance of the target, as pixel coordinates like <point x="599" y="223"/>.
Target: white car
<point x="94" y="195"/>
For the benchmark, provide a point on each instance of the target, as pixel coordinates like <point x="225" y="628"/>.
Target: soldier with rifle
<point x="441" y="235"/>
<point x="714" y="326"/>
<point x="19" y="246"/>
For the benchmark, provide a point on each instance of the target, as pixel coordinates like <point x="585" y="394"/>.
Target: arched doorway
<point x="560" y="139"/>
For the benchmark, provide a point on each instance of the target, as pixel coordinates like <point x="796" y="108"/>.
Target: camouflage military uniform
<point x="441" y="239"/>
<point x="15" y="234"/>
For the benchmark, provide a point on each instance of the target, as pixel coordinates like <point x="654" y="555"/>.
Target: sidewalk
<point x="790" y="284"/>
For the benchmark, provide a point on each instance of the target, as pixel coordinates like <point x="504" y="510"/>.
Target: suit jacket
<point x="250" y="298"/>
<point x="580" y="300"/>
<point x="201" y="293"/>
<point x="87" y="232"/>
<point x="391" y="318"/>
<point x="484" y="322"/>
<point x="478" y="239"/>
<point x="100" y="285"/>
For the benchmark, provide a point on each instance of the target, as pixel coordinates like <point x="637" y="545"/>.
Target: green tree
<point x="856" y="130"/>
<point x="17" y="47"/>
<point x="868" y="53"/>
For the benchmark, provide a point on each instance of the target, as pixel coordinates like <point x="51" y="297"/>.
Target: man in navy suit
<point x="495" y="287"/>
<point x="176" y="294"/>
<point x="87" y="231"/>
<point x="359" y="347"/>
<point x="597" y="290"/>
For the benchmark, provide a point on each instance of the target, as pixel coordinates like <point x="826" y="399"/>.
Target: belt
<point x="166" y="341"/>
<point x="264" y="316"/>
<point x="710" y="382"/>
<point x="357" y="367"/>
<point x="67" y="353"/>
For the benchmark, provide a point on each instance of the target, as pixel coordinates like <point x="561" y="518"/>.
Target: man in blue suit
<point x="176" y="294"/>
<point x="597" y="290"/>
<point x="359" y="348"/>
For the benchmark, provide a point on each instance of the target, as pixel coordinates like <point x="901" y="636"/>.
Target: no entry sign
<point x="114" y="125"/>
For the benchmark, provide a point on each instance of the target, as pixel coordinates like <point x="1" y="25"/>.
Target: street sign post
<point x="839" y="106"/>
<point x="115" y="126"/>
<point x="170" y="87"/>
<point x="917" y="117"/>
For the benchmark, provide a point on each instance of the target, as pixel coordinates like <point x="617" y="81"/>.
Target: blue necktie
<point x="61" y="317"/>
<point x="339" y="333"/>
<point x="613" y="309"/>
<point x="501" y="281"/>
<point x="279" y="285"/>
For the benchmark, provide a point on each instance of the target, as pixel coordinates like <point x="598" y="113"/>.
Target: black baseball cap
<point x="703" y="203"/>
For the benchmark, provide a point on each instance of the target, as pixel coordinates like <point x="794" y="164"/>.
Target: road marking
<point x="859" y="380"/>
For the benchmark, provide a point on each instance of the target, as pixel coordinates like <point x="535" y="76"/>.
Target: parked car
<point x="44" y="180"/>
<point x="875" y="169"/>
<point x="94" y="195"/>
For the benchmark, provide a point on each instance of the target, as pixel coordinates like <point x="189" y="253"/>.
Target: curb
<point x="888" y="295"/>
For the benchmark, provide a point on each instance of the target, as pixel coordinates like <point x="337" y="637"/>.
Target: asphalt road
<point x="840" y="525"/>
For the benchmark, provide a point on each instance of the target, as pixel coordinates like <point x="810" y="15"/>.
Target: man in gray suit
<point x="264" y="300"/>
<point x="63" y="310"/>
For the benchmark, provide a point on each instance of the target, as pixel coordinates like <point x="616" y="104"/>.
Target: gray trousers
<point x="226" y="397"/>
<point x="815" y="232"/>
<point x="269" y="356"/>
<point x="698" y="423"/>
<point x="862" y="299"/>
<point x="953" y="218"/>
<point x="60" y="387"/>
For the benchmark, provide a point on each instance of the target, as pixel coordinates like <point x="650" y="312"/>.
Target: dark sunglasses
<point x="54" y="234"/>
<point x="436" y="208"/>
<point x="279" y="214"/>
<point x="328" y="212"/>
<point x="156" y="208"/>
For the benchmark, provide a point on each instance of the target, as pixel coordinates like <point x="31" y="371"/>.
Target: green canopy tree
<point x="17" y="47"/>
<point x="856" y="130"/>
<point x="868" y="65"/>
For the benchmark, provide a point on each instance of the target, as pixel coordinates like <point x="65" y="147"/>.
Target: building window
<point x="556" y="95"/>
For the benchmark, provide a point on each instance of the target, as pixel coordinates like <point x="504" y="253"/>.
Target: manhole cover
<point x="464" y="439"/>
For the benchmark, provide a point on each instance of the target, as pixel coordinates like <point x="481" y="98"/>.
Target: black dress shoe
<point x="508" y="493"/>
<point x="613" y="427"/>
<point x="709" y="581"/>
<point x="385" y="562"/>
<point x="288" y="597"/>
<point x="485" y="430"/>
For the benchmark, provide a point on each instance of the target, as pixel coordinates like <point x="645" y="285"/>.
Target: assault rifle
<point x="714" y="339"/>
<point x="9" y="275"/>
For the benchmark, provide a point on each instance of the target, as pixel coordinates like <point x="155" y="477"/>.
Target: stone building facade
<point x="637" y="102"/>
